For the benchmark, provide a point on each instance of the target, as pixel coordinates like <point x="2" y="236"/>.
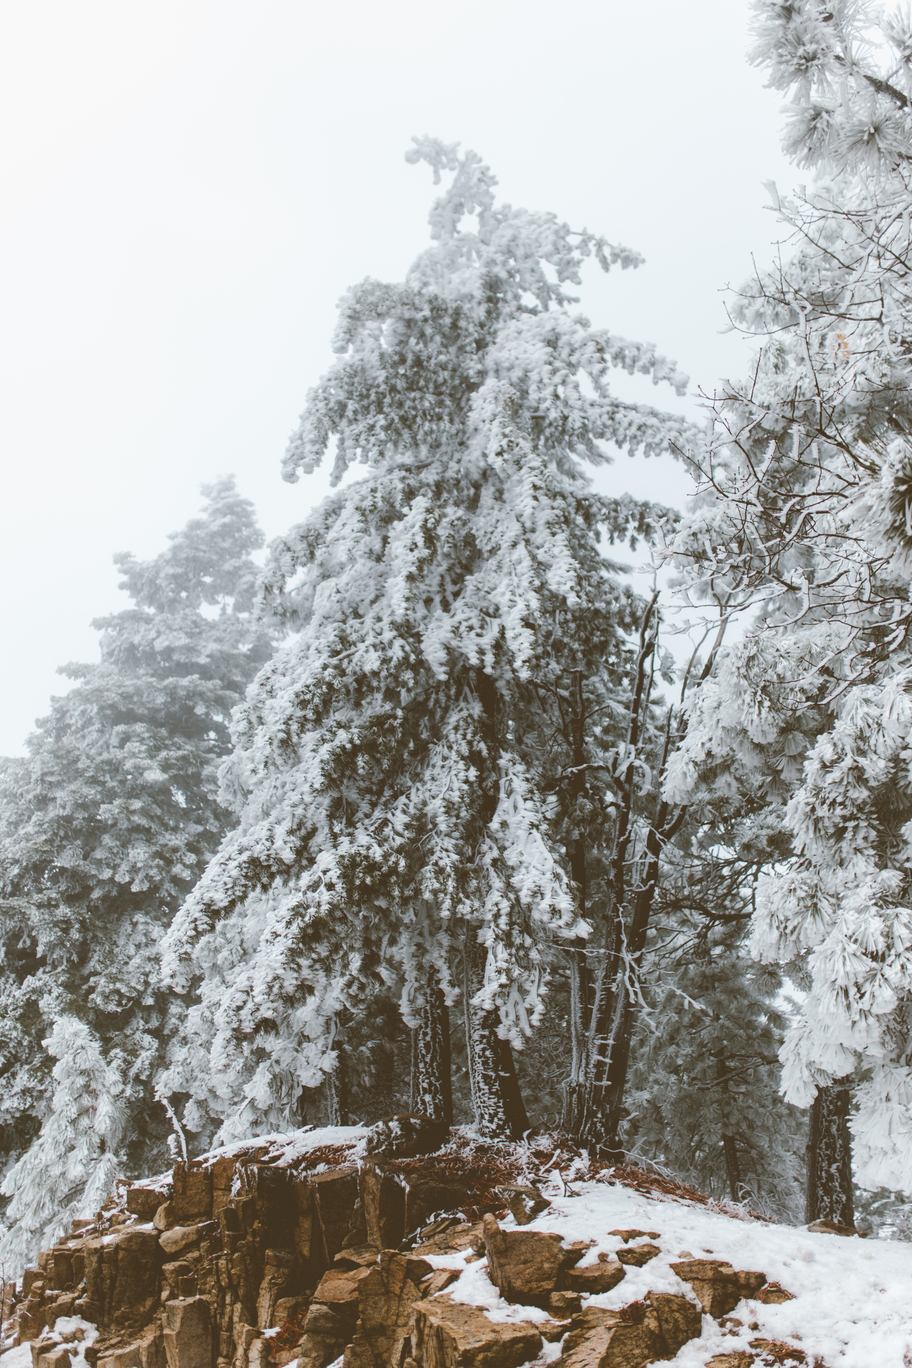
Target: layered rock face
<point x="246" y="1261"/>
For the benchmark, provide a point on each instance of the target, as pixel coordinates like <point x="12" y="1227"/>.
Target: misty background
<point x="189" y="188"/>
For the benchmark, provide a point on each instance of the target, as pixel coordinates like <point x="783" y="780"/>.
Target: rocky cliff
<point x="363" y="1253"/>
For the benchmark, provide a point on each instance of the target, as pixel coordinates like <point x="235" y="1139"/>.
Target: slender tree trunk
<point x="336" y="1084"/>
<point x="431" y="1074"/>
<point x="732" y="1166"/>
<point x="496" y="1098"/>
<point x="829" y="1156"/>
<point x="337" y="1091"/>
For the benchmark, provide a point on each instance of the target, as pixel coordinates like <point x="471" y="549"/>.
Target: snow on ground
<point x="853" y="1297"/>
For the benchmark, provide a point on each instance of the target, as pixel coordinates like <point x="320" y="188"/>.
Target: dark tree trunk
<point x="337" y="1090"/>
<point x="829" y="1156"/>
<point x="431" y="1080"/>
<point x="496" y="1098"/>
<point x="732" y="1166"/>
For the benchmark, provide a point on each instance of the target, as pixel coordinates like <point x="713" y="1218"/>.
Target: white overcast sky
<point x="190" y="185"/>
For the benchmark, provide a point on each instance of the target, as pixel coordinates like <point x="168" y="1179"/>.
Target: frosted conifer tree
<point x="73" y="1165"/>
<point x="808" y="476"/>
<point x="398" y="822"/>
<point x="109" y="819"/>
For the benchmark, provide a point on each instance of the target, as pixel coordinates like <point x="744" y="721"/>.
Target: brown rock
<point x="739" y="1359"/>
<point x="122" y="1279"/>
<point x="453" y="1335"/>
<point x="180" y="1238"/>
<point x="773" y="1294"/>
<point x="824" y="1227"/>
<point x="439" y="1281"/>
<point x="58" y="1357"/>
<point x="360" y="1256"/>
<point x="278" y="1281"/>
<point x="147" y="1350"/>
<point x="406" y="1135"/>
<point x="192" y="1195"/>
<point x="717" y="1285"/>
<point x="526" y="1265"/>
<point x="386" y="1299"/>
<point x="452" y="1239"/>
<point x="564" y="1304"/>
<point x="628" y="1235"/>
<point x="335" y="1194"/>
<point x="338" y="1289"/>
<point x="524" y="1202"/>
<point x="188" y="1333"/>
<point x="164" y="1217"/>
<point x="61" y="1306"/>
<point x="597" y="1277"/>
<point x="319" y="1350"/>
<point x="427" y="1198"/>
<point x="143" y="1201"/>
<point x="613" y="1343"/>
<point x="679" y="1321"/>
<point x="30" y="1277"/>
<point x="222" y="1171"/>
<point x="383" y="1206"/>
<point x="638" y="1255"/>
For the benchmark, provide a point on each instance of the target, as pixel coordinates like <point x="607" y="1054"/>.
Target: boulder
<point x="628" y="1235"/>
<point x="447" y="1237"/>
<point x="638" y="1255"/>
<point x="718" y="1286"/>
<point x="639" y="1334"/>
<point x="453" y="1335"/>
<point x="188" y="1333"/>
<point x="123" y="1278"/>
<point x="679" y="1321"/>
<point x="144" y="1201"/>
<point x="565" y="1304"/>
<point x="525" y="1202"/>
<point x="191" y="1197"/>
<point x="386" y="1301"/>
<point x="597" y="1277"/>
<point x="146" y="1350"/>
<point x="278" y="1281"/>
<point x="739" y="1359"/>
<point x="526" y="1265"/>
<point x="406" y="1135"/>
<point x="179" y="1239"/>
<point x="164" y="1217"/>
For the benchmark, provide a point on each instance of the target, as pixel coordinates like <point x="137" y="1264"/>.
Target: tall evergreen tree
<point x="402" y="802"/>
<point x="807" y="473"/>
<point x="108" y="820"/>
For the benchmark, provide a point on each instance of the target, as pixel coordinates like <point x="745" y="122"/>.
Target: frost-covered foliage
<point x="393" y="779"/>
<point x="805" y="516"/>
<point x="72" y="1166"/>
<point x="109" y="819"/>
<point x="848" y="68"/>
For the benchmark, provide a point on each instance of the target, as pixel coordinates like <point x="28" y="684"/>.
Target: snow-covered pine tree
<point x="807" y="482"/>
<point x="108" y="820"/>
<point x="72" y="1166"/>
<point x="395" y="781"/>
